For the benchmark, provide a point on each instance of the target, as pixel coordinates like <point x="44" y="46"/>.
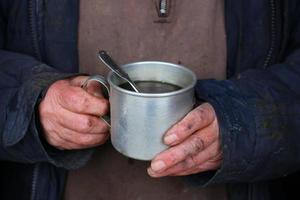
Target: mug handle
<point x="104" y="84"/>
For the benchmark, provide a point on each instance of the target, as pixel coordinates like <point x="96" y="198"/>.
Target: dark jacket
<point x="258" y="106"/>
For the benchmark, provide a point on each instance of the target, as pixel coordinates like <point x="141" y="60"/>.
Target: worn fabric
<point x="257" y="106"/>
<point x="193" y="34"/>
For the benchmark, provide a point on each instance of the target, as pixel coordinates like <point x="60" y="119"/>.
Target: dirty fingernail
<point x="170" y="139"/>
<point x="158" y="165"/>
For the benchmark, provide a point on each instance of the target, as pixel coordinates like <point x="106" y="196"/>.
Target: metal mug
<point x="139" y="120"/>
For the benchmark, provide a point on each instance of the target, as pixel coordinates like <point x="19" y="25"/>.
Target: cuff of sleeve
<point x="21" y="137"/>
<point x="68" y="159"/>
<point x="236" y="152"/>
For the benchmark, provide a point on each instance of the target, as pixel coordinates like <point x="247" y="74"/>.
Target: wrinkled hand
<point x="70" y="116"/>
<point x="195" y="145"/>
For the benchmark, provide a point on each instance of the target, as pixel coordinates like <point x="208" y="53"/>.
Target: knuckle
<point x="75" y="99"/>
<point x="86" y="124"/>
<point x="192" y="161"/>
<point x="196" y="145"/>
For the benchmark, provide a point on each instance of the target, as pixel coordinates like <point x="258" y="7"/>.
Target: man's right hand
<point x="70" y="116"/>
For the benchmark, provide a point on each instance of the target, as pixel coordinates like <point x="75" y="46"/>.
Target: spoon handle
<point x="108" y="61"/>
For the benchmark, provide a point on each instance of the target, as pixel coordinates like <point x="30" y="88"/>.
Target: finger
<point x="207" y="166"/>
<point x="93" y="87"/>
<point x="75" y="140"/>
<point x="81" y="123"/>
<point x="191" y="146"/>
<point x="197" y="119"/>
<point x="77" y="100"/>
<point x="78" y="80"/>
<point x="212" y="152"/>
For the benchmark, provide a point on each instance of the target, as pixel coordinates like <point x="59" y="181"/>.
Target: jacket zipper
<point x="33" y="29"/>
<point x="273" y="34"/>
<point x="34" y="182"/>
<point x="35" y="45"/>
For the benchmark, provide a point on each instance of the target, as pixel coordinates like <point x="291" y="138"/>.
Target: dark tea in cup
<point x="153" y="87"/>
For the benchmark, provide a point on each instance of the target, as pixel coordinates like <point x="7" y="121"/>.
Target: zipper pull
<point x="163" y="8"/>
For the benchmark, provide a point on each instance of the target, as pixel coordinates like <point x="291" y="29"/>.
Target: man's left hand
<point x="194" y="145"/>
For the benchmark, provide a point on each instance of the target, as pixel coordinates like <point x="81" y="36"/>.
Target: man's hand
<point x="70" y="116"/>
<point x="195" y="145"/>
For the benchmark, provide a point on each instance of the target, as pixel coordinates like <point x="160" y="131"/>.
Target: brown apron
<point x="194" y="35"/>
<point x="111" y="176"/>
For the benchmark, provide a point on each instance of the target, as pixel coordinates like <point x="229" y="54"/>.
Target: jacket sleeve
<point x="259" y="119"/>
<point x="22" y="83"/>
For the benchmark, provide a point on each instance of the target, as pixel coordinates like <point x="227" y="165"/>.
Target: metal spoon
<point x="108" y="61"/>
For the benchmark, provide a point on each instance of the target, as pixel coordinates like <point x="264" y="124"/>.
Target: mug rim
<point x="166" y="94"/>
